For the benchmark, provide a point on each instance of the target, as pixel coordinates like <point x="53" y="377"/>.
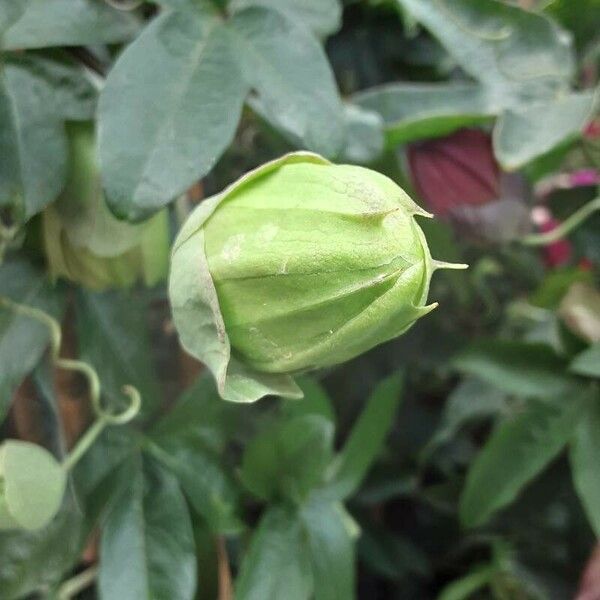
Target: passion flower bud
<point x="85" y="243"/>
<point x="298" y="265"/>
<point x="459" y="180"/>
<point x="32" y="484"/>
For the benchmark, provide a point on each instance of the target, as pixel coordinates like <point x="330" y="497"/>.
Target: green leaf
<point x="10" y="11"/>
<point x="278" y="562"/>
<point x="31" y="562"/>
<point x="70" y="92"/>
<point x="330" y="534"/>
<point x="471" y="400"/>
<point x="415" y="111"/>
<point x="587" y="363"/>
<point x="526" y="132"/>
<point x="366" y="439"/>
<point x="518" y="449"/>
<point x="32" y="485"/>
<point x="113" y="337"/>
<point x="22" y="340"/>
<point x="585" y="458"/>
<point x="285" y="65"/>
<point x="288" y="460"/>
<point x="189" y="114"/>
<point x="33" y="143"/>
<point x="520" y="368"/>
<point x="516" y="54"/>
<point x="198" y="417"/>
<point x="364" y="135"/>
<point x="147" y="548"/>
<point x="580" y="17"/>
<point x="207" y="484"/>
<point x="191" y="440"/>
<point x="321" y="16"/>
<point x="47" y="23"/>
<point x="390" y="555"/>
<point x="555" y="286"/>
<point x="465" y="587"/>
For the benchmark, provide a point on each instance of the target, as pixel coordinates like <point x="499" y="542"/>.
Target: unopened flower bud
<point x="85" y="243"/>
<point x="298" y="265"/>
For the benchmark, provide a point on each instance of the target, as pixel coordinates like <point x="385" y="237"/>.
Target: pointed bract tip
<point x="440" y="264"/>
<point x="421" y="212"/>
<point x="424" y="310"/>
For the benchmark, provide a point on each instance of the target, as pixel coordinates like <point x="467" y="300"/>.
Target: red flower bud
<point x="459" y="179"/>
<point x="455" y="170"/>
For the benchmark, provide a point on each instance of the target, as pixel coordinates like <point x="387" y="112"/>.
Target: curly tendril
<point x="104" y="417"/>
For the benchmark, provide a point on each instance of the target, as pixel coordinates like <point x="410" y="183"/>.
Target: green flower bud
<point x="32" y="484"/>
<point x="85" y="243"/>
<point x="298" y="265"/>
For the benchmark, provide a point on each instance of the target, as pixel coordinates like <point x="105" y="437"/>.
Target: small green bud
<point x="86" y="243"/>
<point x="32" y="484"/>
<point x="299" y="265"/>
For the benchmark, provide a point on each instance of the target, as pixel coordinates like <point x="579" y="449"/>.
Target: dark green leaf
<point x="366" y="438"/>
<point x="415" y="111"/>
<point x="330" y="533"/>
<point x="524" y="133"/>
<point x="517" y="368"/>
<point x="107" y="453"/>
<point x="71" y="94"/>
<point x="587" y="363"/>
<point x="22" y="339"/>
<point x="48" y="23"/>
<point x="465" y="587"/>
<point x="190" y="439"/>
<point x="517" y="451"/>
<point x="278" y="562"/>
<point x="585" y="458"/>
<point x="31" y="561"/>
<point x="285" y="65"/>
<point x="322" y="16"/>
<point x="189" y="113"/>
<point x="33" y="144"/>
<point x="114" y="339"/>
<point x="471" y="400"/>
<point x="392" y="556"/>
<point x="147" y="548"/>
<point x="516" y="54"/>
<point x="199" y="417"/>
<point x="290" y="459"/>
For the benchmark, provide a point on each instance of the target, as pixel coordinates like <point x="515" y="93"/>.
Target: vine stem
<point x="578" y="217"/>
<point x="103" y="417"/>
<point x="70" y="588"/>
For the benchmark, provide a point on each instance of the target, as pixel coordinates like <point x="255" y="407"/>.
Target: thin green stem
<point x="72" y="587"/>
<point x="84" y="443"/>
<point x="7" y="234"/>
<point x="578" y="217"/>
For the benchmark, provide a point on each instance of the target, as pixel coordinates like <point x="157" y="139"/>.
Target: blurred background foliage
<point x="461" y="460"/>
